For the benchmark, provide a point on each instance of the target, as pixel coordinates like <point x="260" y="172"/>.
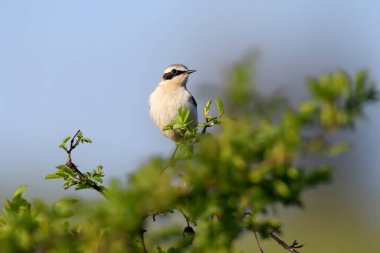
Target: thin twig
<point x="143" y="241"/>
<point x="185" y="216"/>
<point x="291" y="248"/>
<point x="204" y="128"/>
<point x="72" y="146"/>
<point x="208" y="125"/>
<point x="172" y="160"/>
<point x="212" y="231"/>
<point x="258" y="242"/>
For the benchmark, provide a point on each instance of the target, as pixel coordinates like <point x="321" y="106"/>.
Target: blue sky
<point x="91" y="65"/>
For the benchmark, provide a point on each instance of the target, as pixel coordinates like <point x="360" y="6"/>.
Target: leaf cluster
<point x="69" y="172"/>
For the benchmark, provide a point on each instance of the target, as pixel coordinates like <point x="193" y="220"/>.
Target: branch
<point x="291" y="248"/>
<point x="93" y="185"/>
<point x="185" y="216"/>
<point x="207" y="125"/>
<point x="143" y="241"/>
<point x="72" y="166"/>
<point x="258" y="242"/>
<point x="172" y="160"/>
<point x="72" y="145"/>
<point x="254" y="233"/>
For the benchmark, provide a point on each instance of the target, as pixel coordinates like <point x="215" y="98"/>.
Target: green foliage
<point x="227" y="184"/>
<point x="37" y="228"/>
<point x="341" y="98"/>
<point x="70" y="173"/>
<point x="191" y="135"/>
<point x="72" y="178"/>
<point x="75" y="141"/>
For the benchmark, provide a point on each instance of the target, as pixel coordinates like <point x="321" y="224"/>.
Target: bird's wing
<point x="192" y="101"/>
<point x="193" y="111"/>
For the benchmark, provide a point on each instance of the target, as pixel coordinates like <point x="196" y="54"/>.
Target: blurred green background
<point x="92" y="65"/>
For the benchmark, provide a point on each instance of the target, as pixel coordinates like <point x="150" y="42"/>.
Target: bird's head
<point x="176" y="75"/>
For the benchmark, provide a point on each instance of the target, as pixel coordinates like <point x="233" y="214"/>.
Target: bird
<point x="170" y="94"/>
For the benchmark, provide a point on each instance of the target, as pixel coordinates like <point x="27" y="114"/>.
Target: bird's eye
<point x="174" y="71"/>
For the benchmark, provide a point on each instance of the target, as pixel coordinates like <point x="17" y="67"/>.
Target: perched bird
<point x="171" y="94"/>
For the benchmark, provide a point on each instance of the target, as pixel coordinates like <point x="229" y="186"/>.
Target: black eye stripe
<point x="168" y="76"/>
<point x="177" y="72"/>
<point x="173" y="73"/>
<point x="180" y="72"/>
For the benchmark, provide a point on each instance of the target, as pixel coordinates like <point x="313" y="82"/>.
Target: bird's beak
<point x="190" y="71"/>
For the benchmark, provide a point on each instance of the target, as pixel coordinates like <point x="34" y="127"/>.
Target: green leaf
<point x="209" y="118"/>
<point x="338" y="148"/>
<point x="63" y="174"/>
<point x="82" y="186"/>
<point x="181" y="111"/>
<point x="98" y="179"/>
<point x="62" y="167"/>
<point x="307" y="108"/>
<point x="281" y="188"/>
<point x="206" y="108"/>
<point x="168" y="127"/>
<point x="52" y="176"/>
<point x="99" y="170"/>
<point x="219" y="105"/>
<point x="318" y="175"/>
<point x="184" y="113"/>
<point x="62" y="146"/>
<point x="86" y="140"/>
<point x="20" y="190"/>
<point x="177" y="126"/>
<point x="66" y="170"/>
<point x="66" y="139"/>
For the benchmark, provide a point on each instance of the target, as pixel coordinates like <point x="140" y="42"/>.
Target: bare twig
<point x="291" y="248"/>
<point x="143" y="241"/>
<point x="258" y="242"/>
<point x="185" y="216"/>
